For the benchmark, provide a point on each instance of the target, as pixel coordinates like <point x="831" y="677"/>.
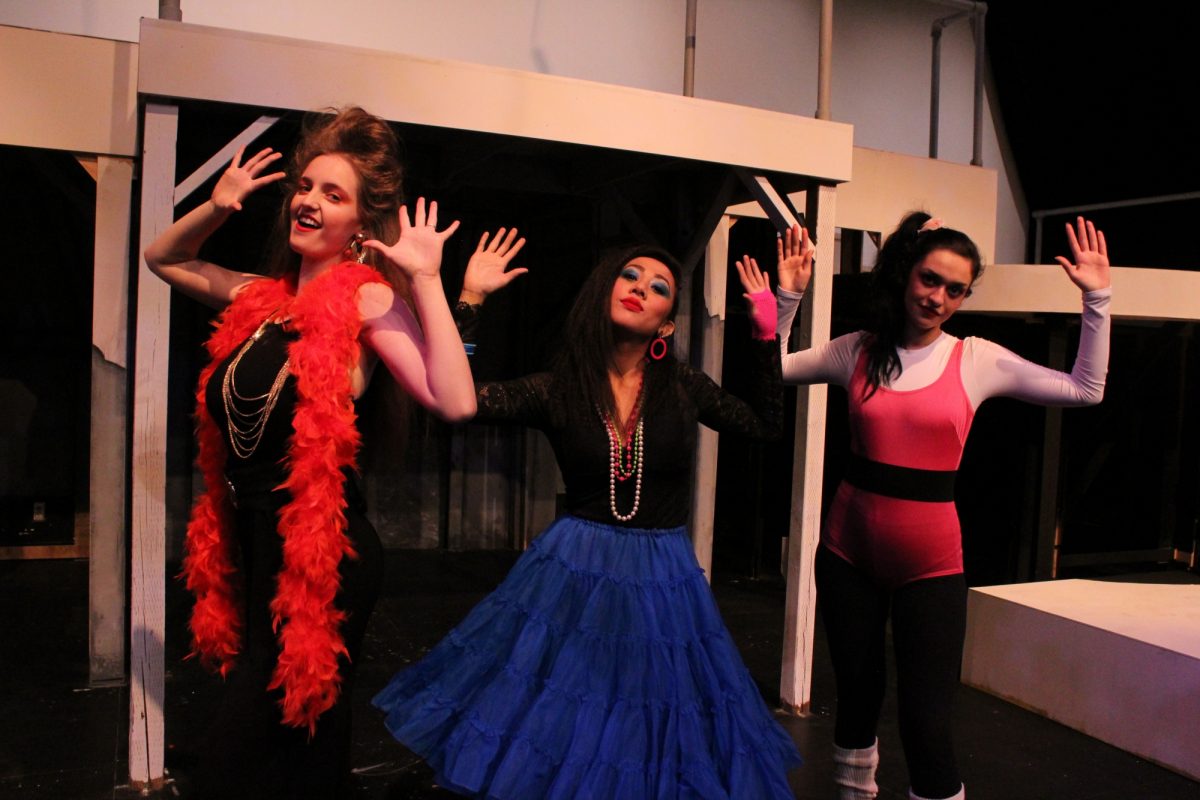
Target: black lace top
<point x="580" y="441"/>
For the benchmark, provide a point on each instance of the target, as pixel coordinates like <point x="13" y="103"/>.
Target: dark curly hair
<point x="906" y="247"/>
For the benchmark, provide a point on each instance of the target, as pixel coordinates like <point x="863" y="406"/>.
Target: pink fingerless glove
<point x="763" y="315"/>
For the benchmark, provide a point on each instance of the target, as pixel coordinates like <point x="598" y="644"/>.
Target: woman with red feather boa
<point x="283" y="563"/>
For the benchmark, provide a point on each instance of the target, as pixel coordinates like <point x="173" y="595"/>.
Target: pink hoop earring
<point x="658" y="349"/>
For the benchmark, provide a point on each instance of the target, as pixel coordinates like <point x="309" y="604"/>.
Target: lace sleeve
<point x="524" y="401"/>
<point x="466" y="319"/>
<point x="759" y="417"/>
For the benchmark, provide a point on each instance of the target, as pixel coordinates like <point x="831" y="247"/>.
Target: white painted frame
<point x="195" y="62"/>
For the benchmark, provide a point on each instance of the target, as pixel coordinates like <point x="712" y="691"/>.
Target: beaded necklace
<point x="626" y="454"/>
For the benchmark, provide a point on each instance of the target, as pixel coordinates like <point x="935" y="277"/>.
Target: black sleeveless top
<point x="264" y="469"/>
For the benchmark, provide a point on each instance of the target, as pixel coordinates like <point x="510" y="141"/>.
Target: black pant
<point x="928" y="629"/>
<point x="247" y="752"/>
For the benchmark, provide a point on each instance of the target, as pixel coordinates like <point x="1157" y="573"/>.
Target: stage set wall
<point x="758" y="53"/>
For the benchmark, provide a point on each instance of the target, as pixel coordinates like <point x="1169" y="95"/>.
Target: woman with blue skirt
<point x="600" y="667"/>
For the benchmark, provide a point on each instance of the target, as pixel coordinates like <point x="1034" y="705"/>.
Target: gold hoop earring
<point x="356" y="249"/>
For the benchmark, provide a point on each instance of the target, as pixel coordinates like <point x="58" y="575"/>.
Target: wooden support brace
<point x="222" y="157"/>
<point x="778" y="207"/>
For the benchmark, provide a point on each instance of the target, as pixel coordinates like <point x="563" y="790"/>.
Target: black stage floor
<point x="62" y="739"/>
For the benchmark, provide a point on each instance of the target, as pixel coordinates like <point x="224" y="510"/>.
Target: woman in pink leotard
<point x="891" y="544"/>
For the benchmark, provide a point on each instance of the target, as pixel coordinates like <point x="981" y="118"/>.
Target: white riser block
<point x="1117" y="661"/>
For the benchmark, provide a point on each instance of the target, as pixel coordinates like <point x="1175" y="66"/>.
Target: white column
<point x="109" y="423"/>
<point x="808" y="467"/>
<point x="147" y="586"/>
<point x="712" y="351"/>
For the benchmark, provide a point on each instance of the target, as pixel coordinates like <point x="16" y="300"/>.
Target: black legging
<point x="247" y="752"/>
<point x="928" y="629"/>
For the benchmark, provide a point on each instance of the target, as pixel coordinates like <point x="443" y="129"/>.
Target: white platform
<point x="1117" y="661"/>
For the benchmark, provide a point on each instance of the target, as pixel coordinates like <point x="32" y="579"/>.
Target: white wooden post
<point x="149" y="479"/>
<point x="109" y="424"/>
<point x="712" y="350"/>
<point x="808" y="466"/>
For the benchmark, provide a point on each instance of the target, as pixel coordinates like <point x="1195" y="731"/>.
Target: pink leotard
<point x="897" y="540"/>
<point x="921" y="422"/>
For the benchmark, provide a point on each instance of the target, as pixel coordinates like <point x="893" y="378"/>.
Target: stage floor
<point x="63" y="740"/>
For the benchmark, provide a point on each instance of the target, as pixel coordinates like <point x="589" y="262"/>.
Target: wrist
<point x="471" y="297"/>
<point x="221" y="210"/>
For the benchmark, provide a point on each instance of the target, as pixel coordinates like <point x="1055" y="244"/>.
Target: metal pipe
<point x="962" y="5"/>
<point x="935" y="80"/>
<point x="977" y="20"/>
<point x="825" y="61"/>
<point x="689" y="51"/>
<point x="170" y="9"/>
<point x="1039" y="217"/>
<point x="935" y="87"/>
<point x="978" y="12"/>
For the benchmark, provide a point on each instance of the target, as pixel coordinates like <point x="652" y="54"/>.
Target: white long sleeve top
<point x="988" y="370"/>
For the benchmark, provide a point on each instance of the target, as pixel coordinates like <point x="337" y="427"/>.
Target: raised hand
<point x="1088" y="267"/>
<point x="240" y="180"/>
<point x="760" y="303"/>
<point x="794" y="252"/>
<point x="418" y="251"/>
<point x="487" y="270"/>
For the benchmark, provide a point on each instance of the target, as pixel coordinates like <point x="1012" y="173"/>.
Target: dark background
<point x="1098" y="103"/>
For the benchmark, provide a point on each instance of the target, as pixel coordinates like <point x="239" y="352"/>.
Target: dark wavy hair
<point x="373" y="150"/>
<point x="581" y="366"/>
<point x="906" y="247"/>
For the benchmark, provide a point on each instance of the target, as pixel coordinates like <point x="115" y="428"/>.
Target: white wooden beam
<point x="712" y="351"/>
<point x="109" y="422"/>
<point x="888" y="185"/>
<point x="64" y="92"/>
<point x="197" y="62"/>
<point x="1138" y="292"/>
<point x="147" y="586"/>
<point x="808" y="468"/>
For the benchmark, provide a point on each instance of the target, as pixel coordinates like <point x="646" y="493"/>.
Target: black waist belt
<point x="904" y="483"/>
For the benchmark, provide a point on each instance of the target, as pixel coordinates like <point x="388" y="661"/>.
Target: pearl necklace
<point x="625" y="460"/>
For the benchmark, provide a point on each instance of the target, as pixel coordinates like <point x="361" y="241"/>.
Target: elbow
<point x="153" y="260"/>
<point x="458" y="411"/>
<point x="1088" y="396"/>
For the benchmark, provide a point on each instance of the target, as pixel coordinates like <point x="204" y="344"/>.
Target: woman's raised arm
<point x="173" y="256"/>
<point x="426" y="357"/>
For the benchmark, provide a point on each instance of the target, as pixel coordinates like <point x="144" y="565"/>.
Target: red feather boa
<point x="313" y="523"/>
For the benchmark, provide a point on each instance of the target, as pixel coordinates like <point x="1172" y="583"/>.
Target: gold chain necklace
<point x="247" y="421"/>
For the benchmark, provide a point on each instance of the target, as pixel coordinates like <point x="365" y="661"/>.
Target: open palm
<point x="1088" y="266"/>
<point x="794" y="252"/>
<point x="418" y="251"/>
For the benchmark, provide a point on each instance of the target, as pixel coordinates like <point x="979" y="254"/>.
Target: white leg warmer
<point x="854" y="772"/>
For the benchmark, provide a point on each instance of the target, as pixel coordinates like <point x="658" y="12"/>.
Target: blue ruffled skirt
<point x="599" y="668"/>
